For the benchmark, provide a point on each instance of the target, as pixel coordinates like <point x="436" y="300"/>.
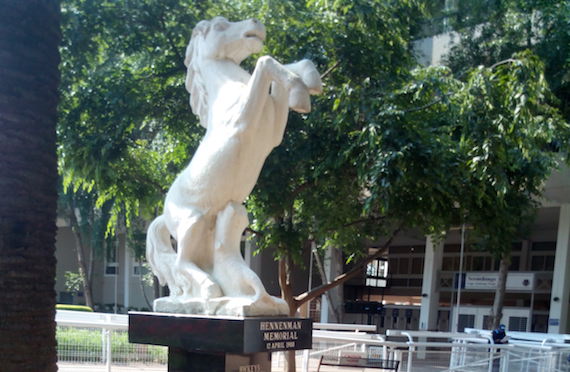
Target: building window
<point x="139" y="269"/>
<point x="450" y="264"/>
<point x="544" y="246"/>
<point x="517" y="323"/>
<point x="465" y="321"/>
<point x="542" y="263"/>
<point x="417" y="265"/>
<point x="403" y="267"/>
<point x="515" y="263"/>
<point x="376" y="272"/>
<point x="111" y="263"/>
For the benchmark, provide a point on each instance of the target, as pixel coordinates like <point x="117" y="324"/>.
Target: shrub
<point x="73" y="307"/>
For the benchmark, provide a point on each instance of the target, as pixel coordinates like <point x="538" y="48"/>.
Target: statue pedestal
<point x="201" y="343"/>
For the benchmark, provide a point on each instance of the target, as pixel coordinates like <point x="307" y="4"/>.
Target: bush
<point x="73" y="307"/>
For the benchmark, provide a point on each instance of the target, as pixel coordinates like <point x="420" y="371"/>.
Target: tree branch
<point x="302" y="187"/>
<point x="180" y="61"/>
<point x="252" y="231"/>
<point x="309" y="295"/>
<point x="428" y="104"/>
<point x="364" y="220"/>
<point x="509" y="60"/>
<point x="331" y="69"/>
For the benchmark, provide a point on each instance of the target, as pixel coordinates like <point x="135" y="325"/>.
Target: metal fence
<point x="101" y="340"/>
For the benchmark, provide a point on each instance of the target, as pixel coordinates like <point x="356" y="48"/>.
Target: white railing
<point x="100" y="338"/>
<point x="106" y="343"/>
<point x="445" y="351"/>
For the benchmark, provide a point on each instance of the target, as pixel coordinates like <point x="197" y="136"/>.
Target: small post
<point x="306" y="360"/>
<point x="109" y="353"/>
<point x="411" y="349"/>
<point x="103" y="344"/>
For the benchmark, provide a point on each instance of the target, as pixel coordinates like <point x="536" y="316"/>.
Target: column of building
<point x="430" y="285"/>
<point x="560" y="296"/>
<point x="331" y="303"/>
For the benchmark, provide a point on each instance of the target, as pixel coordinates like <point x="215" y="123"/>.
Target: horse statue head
<point x="218" y="39"/>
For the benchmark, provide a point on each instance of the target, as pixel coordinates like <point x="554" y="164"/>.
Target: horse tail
<point x="158" y="245"/>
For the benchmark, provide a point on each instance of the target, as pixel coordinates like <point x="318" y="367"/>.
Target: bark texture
<point x="29" y="77"/>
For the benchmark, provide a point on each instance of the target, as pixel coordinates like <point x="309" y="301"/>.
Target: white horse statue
<point x="245" y="117"/>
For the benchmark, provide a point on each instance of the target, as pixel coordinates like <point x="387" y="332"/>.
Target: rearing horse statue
<point x="245" y="118"/>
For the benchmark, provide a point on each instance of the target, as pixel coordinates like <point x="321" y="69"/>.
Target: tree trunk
<point x="141" y="282"/>
<point x="287" y="294"/>
<point x="80" y="251"/>
<point x="29" y="77"/>
<point x="497" y="311"/>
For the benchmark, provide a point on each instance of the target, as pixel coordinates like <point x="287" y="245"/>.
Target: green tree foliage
<point x="515" y="25"/>
<point x="522" y="139"/>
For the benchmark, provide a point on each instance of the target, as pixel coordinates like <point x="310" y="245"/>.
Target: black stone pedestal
<point x="180" y="360"/>
<point x="198" y="343"/>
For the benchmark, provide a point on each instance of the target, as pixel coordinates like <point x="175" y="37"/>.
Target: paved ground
<point x="419" y="366"/>
<point x="69" y="367"/>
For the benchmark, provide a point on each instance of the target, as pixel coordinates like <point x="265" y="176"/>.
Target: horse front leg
<point x="267" y="71"/>
<point x="307" y="71"/>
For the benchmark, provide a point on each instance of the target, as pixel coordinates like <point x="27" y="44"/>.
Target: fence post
<point x="411" y="349"/>
<point x="306" y="360"/>
<point x="103" y="345"/>
<point x="109" y="352"/>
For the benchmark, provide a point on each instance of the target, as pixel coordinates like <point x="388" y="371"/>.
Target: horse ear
<point x="201" y="29"/>
<point x="189" y="52"/>
<point x="194" y="87"/>
<point x="187" y="63"/>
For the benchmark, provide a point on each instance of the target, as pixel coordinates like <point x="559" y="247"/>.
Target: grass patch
<point x="73" y="307"/>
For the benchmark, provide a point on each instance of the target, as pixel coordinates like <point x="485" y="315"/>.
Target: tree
<point x="29" y="37"/>
<point x="513" y="26"/>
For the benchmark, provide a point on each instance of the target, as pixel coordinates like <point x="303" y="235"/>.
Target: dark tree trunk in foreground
<point x="29" y="77"/>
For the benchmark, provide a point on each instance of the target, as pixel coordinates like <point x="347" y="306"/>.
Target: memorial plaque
<point x="278" y="334"/>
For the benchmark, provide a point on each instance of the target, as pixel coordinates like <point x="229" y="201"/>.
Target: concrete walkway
<point x="70" y="367"/>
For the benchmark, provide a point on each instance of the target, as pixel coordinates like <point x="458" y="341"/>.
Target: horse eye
<point x="221" y="26"/>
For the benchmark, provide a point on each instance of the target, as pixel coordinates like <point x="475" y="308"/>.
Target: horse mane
<point x="194" y="82"/>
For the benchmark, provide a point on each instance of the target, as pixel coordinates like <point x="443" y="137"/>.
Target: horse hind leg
<point x="193" y="247"/>
<point x="245" y="291"/>
<point x="230" y="269"/>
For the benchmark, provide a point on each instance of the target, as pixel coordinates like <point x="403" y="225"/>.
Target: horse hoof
<point x="312" y="80"/>
<point x="211" y="290"/>
<point x="310" y="76"/>
<point x="299" y="99"/>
